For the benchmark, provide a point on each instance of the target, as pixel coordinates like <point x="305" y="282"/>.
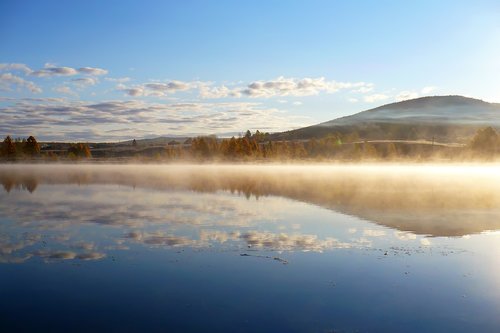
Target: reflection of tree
<point x="28" y="184"/>
<point x="407" y="200"/>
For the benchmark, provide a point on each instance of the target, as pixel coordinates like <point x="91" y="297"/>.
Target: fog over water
<point x="436" y="200"/>
<point x="322" y="244"/>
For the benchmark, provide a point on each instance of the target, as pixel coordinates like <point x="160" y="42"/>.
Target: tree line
<point x="258" y="146"/>
<point x="29" y="148"/>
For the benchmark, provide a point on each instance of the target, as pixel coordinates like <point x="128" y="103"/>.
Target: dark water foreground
<point x="250" y="249"/>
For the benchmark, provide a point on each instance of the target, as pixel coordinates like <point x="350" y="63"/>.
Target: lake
<point x="243" y="248"/>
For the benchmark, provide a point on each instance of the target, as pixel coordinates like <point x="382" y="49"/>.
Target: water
<point x="250" y="248"/>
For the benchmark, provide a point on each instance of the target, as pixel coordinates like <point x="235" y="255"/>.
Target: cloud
<point x="118" y="79"/>
<point x="49" y="70"/>
<point x="53" y="70"/>
<point x="375" y="98"/>
<point x="65" y="90"/>
<point x="92" y="71"/>
<point x="282" y="86"/>
<point x="135" y="92"/>
<point x="353" y="100"/>
<point x="364" y="89"/>
<point x="60" y="119"/>
<point x="7" y="80"/>
<point x="157" y="88"/>
<point x="85" y="81"/>
<point x="15" y="67"/>
<point x="297" y="103"/>
<point x="169" y="86"/>
<point x="206" y="91"/>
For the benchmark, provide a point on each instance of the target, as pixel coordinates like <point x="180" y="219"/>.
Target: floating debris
<point x="281" y="260"/>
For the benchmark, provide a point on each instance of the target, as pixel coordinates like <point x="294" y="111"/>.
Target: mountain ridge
<point x="450" y="118"/>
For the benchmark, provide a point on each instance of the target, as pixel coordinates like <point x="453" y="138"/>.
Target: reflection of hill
<point x="438" y="201"/>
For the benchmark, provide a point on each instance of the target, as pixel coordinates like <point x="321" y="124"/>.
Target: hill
<point x="443" y="118"/>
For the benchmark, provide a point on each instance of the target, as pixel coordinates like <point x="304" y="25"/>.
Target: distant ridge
<point x="446" y="118"/>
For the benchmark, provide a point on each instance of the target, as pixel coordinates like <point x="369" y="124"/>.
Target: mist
<point x="427" y="199"/>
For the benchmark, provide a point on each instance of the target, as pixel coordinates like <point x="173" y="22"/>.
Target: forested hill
<point x="443" y="118"/>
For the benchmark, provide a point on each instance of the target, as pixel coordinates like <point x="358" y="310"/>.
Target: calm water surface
<point x="246" y="248"/>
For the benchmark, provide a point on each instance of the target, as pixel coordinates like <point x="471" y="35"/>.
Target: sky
<point x="117" y="70"/>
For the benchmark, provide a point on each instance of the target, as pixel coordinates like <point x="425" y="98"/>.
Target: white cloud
<point x="282" y="86"/>
<point x="50" y="70"/>
<point x="169" y="87"/>
<point x="364" y="89"/>
<point x="85" y="81"/>
<point x="15" y="67"/>
<point x="78" y="120"/>
<point x="297" y="103"/>
<point x="92" y="71"/>
<point x="135" y="92"/>
<point x="65" y="90"/>
<point x="375" y="98"/>
<point x="53" y="70"/>
<point x="217" y="92"/>
<point x="118" y="79"/>
<point x="353" y="100"/>
<point x="157" y="88"/>
<point x="8" y="80"/>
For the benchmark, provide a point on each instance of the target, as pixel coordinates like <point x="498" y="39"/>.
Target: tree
<point x="485" y="141"/>
<point x="248" y="135"/>
<point x="31" y="146"/>
<point x="9" y="148"/>
<point x="79" y="150"/>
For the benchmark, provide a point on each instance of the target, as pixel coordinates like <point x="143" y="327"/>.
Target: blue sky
<point x="112" y="70"/>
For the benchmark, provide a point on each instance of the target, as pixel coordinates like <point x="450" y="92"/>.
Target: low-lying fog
<point x="436" y="200"/>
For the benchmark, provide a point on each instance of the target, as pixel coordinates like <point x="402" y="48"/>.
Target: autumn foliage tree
<point x="485" y="142"/>
<point x="79" y="150"/>
<point x="8" y="147"/>
<point x="31" y="146"/>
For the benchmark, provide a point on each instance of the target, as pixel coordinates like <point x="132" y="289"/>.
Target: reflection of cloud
<point x="425" y="242"/>
<point x="218" y="236"/>
<point x="176" y="206"/>
<point x="290" y="242"/>
<point x="402" y="235"/>
<point x="63" y="255"/>
<point x="90" y="256"/>
<point x="373" y="233"/>
<point x="88" y="246"/>
<point x="169" y="240"/>
<point x="68" y="255"/>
